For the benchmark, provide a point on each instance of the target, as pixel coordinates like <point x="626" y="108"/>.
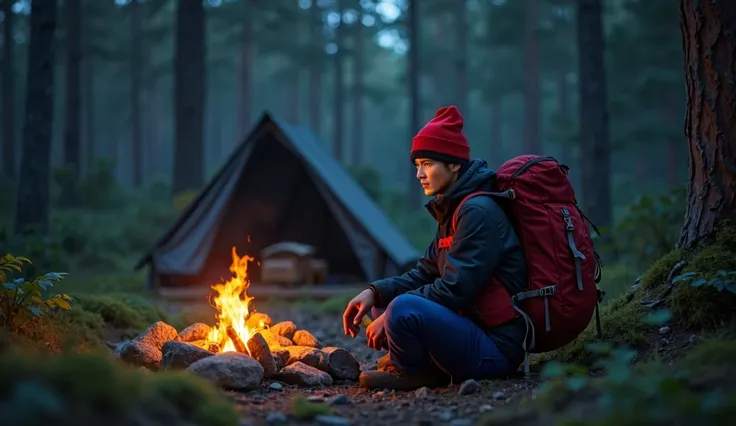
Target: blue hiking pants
<point x="423" y="335"/>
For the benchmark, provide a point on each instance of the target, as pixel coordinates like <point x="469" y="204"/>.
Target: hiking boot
<point x="383" y="362"/>
<point x="391" y="378"/>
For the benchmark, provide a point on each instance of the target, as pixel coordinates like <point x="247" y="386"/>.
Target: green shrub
<point x="74" y="389"/>
<point x="23" y="299"/>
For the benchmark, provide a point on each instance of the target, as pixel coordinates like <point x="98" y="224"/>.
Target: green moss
<point x="620" y="324"/>
<point x="657" y="274"/>
<point x="713" y="352"/>
<point x="124" y="311"/>
<point x="77" y="389"/>
<point x="704" y="307"/>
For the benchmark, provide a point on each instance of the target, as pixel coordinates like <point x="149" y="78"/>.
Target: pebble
<point x="664" y="330"/>
<point x="315" y="398"/>
<point x="332" y="420"/>
<point x="276" y="386"/>
<point x="485" y="408"/>
<point x="469" y="387"/>
<point x="445" y="416"/>
<point x="276" y="417"/>
<point x="338" y="399"/>
<point x="423" y="392"/>
<point x="498" y="395"/>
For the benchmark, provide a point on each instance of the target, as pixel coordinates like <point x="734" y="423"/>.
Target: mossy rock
<point x="74" y="389"/>
<point x="657" y="274"/>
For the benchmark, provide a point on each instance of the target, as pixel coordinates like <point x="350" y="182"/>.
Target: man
<point x="451" y="317"/>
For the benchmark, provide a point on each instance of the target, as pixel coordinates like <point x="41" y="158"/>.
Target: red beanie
<point x="442" y="138"/>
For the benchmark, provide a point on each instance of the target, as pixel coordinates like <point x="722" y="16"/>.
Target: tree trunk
<point x="709" y="42"/>
<point x="461" y="52"/>
<point x="88" y="105"/>
<point x="532" y="120"/>
<point x="245" y="80"/>
<point x="595" y="151"/>
<point x="189" y="97"/>
<point x="8" y="103"/>
<point x="496" y="131"/>
<point x="414" y="100"/>
<point x="315" y="70"/>
<point x="338" y="115"/>
<point x="358" y="111"/>
<point x="72" y="125"/>
<point x="136" y="130"/>
<point x="32" y="212"/>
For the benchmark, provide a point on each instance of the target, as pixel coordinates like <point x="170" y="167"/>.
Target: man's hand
<point x="356" y="310"/>
<point x="376" y="333"/>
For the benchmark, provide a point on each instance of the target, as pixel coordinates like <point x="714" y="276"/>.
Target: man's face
<point x="436" y="177"/>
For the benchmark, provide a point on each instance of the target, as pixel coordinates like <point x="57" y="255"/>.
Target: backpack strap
<point x="508" y="194"/>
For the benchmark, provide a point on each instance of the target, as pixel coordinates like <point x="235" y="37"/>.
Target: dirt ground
<point x="352" y="405"/>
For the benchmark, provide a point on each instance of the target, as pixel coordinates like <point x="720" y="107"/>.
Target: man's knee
<point x="406" y="306"/>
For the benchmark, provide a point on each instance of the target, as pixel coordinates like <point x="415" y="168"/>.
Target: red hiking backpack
<point x="563" y="268"/>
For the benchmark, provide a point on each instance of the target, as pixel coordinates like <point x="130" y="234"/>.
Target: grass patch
<point x="302" y="409"/>
<point x="74" y="389"/>
<point x="127" y="311"/>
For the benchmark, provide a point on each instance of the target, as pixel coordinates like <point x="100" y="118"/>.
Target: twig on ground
<point x="651" y="304"/>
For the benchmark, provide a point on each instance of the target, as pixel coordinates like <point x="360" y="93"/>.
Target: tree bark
<point x="8" y="103"/>
<point x="32" y="212"/>
<point x="709" y="42"/>
<point x="595" y="156"/>
<point x="414" y="100"/>
<point x="72" y="125"/>
<point x="337" y="94"/>
<point x="189" y="97"/>
<point x="532" y="95"/>
<point x="245" y="66"/>
<point x="314" y="92"/>
<point x="461" y="60"/>
<point x="136" y="62"/>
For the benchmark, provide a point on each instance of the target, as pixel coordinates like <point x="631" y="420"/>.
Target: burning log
<point x="258" y="320"/>
<point x="260" y="351"/>
<point x="237" y="342"/>
<point x="274" y="340"/>
<point x="339" y="363"/>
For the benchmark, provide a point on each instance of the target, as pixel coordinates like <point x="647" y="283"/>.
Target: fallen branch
<point x="651" y="304"/>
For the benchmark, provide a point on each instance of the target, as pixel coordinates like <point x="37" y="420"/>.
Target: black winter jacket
<point x="485" y="244"/>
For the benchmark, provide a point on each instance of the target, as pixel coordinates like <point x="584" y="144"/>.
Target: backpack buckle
<point x="548" y="291"/>
<point x="568" y="220"/>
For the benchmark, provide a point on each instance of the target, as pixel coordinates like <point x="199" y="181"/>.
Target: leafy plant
<point x="21" y="298"/>
<point x="721" y="281"/>
<point x="653" y="393"/>
<point x="649" y="229"/>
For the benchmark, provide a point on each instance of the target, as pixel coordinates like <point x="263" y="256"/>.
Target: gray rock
<point x="230" y="370"/>
<point x="469" y="387"/>
<point x="664" y="330"/>
<point x="276" y="386"/>
<point x="284" y="328"/>
<point x="276" y="418"/>
<point x="338" y="399"/>
<point x="486" y="408"/>
<point x="301" y="374"/>
<point x="332" y="420"/>
<point x="305" y="338"/>
<point x="180" y="355"/>
<point x="498" y="395"/>
<point x="423" y="392"/>
<point x="196" y="331"/>
<point x="145" y="349"/>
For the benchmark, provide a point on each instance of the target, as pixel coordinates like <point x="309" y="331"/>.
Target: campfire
<point x="243" y="348"/>
<point x="233" y="328"/>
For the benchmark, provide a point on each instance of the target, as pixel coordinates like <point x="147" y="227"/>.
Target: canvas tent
<point x="280" y="184"/>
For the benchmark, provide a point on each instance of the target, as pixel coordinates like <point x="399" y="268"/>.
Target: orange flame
<point x="232" y="310"/>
